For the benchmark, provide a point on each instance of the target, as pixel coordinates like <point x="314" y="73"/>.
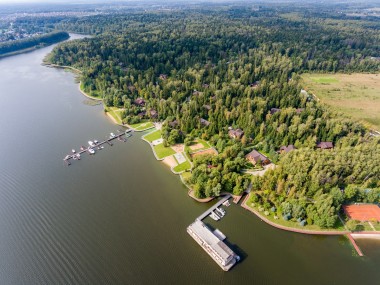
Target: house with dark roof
<point x="235" y="134"/>
<point x="325" y="145"/>
<point x="256" y="157"/>
<point x="286" y="149"/>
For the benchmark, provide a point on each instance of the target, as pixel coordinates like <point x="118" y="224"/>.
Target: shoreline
<point x="355" y="235"/>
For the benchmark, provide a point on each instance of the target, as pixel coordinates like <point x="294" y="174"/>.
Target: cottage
<point x="173" y="124"/>
<point x="235" y="134"/>
<point x="255" y="84"/>
<point x="153" y="113"/>
<point x="325" y="145"/>
<point x="274" y="110"/>
<point x="286" y="149"/>
<point x="256" y="157"/>
<point x="204" y="122"/>
<point x="140" y="102"/>
<point x="207" y="107"/>
<point x="141" y="114"/>
<point x="163" y="76"/>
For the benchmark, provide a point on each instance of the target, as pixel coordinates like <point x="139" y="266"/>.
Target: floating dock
<point x="212" y="241"/>
<point x="118" y="136"/>
<point x="212" y="244"/>
<point x="208" y="212"/>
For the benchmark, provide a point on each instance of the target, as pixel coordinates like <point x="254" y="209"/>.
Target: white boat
<point x="112" y="135"/>
<point x="96" y="142"/>
<point x="73" y="150"/>
<point x="219" y="214"/>
<point x="226" y="203"/>
<point x="221" y="211"/>
<point x="78" y="156"/>
<point x="214" y="216"/>
<point x="102" y="147"/>
<point x="91" y="143"/>
<point x="91" y="151"/>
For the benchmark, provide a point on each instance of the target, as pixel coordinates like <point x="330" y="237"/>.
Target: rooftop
<point x="212" y="240"/>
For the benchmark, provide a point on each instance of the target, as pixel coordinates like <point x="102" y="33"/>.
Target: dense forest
<point x="239" y="69"/>
<point x="41" y="40"/>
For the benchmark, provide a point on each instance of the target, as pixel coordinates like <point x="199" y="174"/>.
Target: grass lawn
<point x="355" y="95"/>
<point x="115" y="113"/>
<point x="153" y="136"/>
<point x="186" y="175"/>
<point x="339" y="226"/>
<point x="142" y="126"/>
<point x="182" y="167"/>
<point x="162" y="151"/>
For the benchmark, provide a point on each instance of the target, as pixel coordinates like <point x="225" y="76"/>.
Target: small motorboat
<point x="78" y="156"/>
<point x="82" y="147"/>
<point x="73" y="150"/>
<point x="91" y="143"/>
<point x="214" y="216"/>
<point x="91" y="151"/>
<point x="96" y="142"/>
<point x="112" y="135"/>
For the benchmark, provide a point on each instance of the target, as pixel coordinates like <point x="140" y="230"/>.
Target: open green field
<point x="355" y="95"/>
<point x="162" y="151"/>
<point x="142" y="126"/>
<point x="182" y="167"/>
<point x="153" y="136"/>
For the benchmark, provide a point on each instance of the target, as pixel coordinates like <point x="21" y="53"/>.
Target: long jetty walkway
<point x="107" y="141"/>
<point x="208" y="212"/>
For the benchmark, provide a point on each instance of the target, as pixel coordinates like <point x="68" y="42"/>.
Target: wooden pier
<point x="107" y="141"/>
<point x="208" y="212"/>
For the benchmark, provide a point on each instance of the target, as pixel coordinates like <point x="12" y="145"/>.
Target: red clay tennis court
<point x="362" y="212"/>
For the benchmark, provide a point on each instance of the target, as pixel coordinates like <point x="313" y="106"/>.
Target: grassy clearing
<point x="182" y="167"/>
<point x="153" y="136"/>
<point x="205" y="145"/>
<point x="116" y="114"/>
<point x="355" y="95"/>
<point x="162" y="151"/>
<point x="280" y="221"/>
<point x="142" y="126"/>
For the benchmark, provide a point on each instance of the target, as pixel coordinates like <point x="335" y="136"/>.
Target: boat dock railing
<point x="208" y="212"/>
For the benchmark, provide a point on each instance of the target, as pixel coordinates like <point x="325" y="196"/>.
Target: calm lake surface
<point x="120" y="217"/>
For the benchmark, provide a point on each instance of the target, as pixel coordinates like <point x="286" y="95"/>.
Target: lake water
<point x="120" y="217"/>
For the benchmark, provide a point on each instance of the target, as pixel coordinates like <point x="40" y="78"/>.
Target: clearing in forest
<point x="355" y="95"/>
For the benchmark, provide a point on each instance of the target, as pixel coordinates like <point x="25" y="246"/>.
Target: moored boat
<point x="214" y="216"/>
<point x="91" y="151"/>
